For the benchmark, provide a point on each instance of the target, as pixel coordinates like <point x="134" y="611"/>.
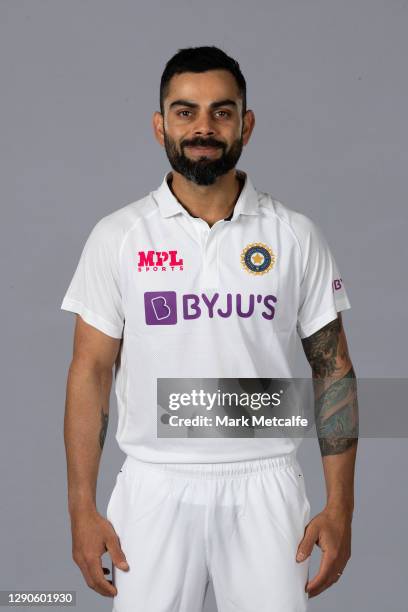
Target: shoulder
<point x="301" y="227"/>
<point x="112" y="229"/>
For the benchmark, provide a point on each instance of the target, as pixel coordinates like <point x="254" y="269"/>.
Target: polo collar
<point x="247" y="203"/>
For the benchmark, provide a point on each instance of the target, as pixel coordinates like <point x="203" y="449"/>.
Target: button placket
<point x="209" y="255"/>
<point x="224" y="229"/>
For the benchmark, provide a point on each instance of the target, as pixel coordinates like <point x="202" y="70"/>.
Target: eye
<point x="183" y="111"/>
<point x="224" y="113"/>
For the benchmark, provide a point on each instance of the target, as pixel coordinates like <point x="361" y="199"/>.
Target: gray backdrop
<point x="79" y="83"/>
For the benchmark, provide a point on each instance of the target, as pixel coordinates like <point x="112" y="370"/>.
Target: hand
<point x="331" y="531"/>
<point x="92" y="536"/>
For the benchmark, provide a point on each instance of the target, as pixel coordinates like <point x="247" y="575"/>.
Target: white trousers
<point x="237" y="524"/>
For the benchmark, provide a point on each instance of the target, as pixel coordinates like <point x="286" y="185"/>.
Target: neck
<point x="209" y="202"/>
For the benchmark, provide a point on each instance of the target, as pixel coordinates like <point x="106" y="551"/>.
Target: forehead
<point x="203" y="87"/>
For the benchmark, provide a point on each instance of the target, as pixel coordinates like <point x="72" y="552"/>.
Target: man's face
<point x="203" y="130"/>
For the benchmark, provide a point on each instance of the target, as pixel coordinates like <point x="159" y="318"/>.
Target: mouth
<point x="203" y="150"/>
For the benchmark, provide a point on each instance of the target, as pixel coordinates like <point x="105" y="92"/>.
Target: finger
<point x="82" y="564"/>
<point x="306" y="545"/>
<point x="326" y="569"/>
<point x="84" y="570"/>
<point x="317" y="591"/>
<point x="116" y="553"/>
<point x="332" y="579"/>
<point x="99" y="582"/>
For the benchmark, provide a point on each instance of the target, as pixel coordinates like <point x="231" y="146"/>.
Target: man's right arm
<point x="86" y="419"/>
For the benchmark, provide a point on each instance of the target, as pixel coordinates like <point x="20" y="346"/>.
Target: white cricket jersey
<point x="192" y="301"/>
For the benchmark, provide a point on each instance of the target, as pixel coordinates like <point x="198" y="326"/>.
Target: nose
<point x="204" y="126"/>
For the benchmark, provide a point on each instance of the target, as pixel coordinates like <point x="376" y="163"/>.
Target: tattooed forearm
<point x="321" y="349"/>
<point x="336" y="413"/>
<point x="335" y="386"/>
<point x="104" y="427"/>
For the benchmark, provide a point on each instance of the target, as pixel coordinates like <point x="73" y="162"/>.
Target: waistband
<point x="212" y="470"/>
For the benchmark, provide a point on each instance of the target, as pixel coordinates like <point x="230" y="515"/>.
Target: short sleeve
<point x="322" y="290"/>
<point x="94" y="291"/>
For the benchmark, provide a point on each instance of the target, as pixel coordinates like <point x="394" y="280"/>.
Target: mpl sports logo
<point x="161" y="306"/>
<point x="155" y="261"/>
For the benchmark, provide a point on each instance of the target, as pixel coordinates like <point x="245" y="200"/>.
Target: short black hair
<point x="201" y="59"/>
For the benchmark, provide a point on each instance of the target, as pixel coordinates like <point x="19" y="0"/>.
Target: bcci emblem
<point x="257" y="258"/>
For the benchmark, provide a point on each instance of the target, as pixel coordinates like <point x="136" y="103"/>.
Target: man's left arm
<point x="336" y="413"/>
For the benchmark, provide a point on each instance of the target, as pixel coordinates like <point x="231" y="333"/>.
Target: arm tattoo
<point x="336" y="414"/>
<point x="321" y="349"/>
<point x="336" y="406"/>
<point x="104" y="427"/>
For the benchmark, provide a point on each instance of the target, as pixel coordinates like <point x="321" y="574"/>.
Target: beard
<point x="204" y="170"/>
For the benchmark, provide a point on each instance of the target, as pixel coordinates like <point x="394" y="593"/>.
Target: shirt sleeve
<point x="94" y="291"/>
<point x="322" y="290"/>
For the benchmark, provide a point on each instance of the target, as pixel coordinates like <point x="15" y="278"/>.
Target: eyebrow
<point x="226" y="102"/>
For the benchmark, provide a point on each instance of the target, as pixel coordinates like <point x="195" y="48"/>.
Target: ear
<point x="157" y="122"/>
<point x="249" y="124"/>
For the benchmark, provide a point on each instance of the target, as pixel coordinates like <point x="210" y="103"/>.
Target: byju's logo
<point x="160" y="307"/>
<point x="337" y="284"/>
<point x="159" y="260"/>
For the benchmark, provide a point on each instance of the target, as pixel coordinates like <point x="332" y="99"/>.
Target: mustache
<point x="200" y="142"/>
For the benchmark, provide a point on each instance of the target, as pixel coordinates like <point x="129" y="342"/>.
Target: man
<point x="206" y="277"/>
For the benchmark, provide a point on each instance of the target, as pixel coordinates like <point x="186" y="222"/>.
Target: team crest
<point x="257" y="258"/>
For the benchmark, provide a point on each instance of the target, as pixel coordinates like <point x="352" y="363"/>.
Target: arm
<point x="85" y="425"/>
<point x="336" y="413"/>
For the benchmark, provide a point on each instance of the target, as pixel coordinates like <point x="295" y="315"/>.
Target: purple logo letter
<point x="160" y="307"/>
